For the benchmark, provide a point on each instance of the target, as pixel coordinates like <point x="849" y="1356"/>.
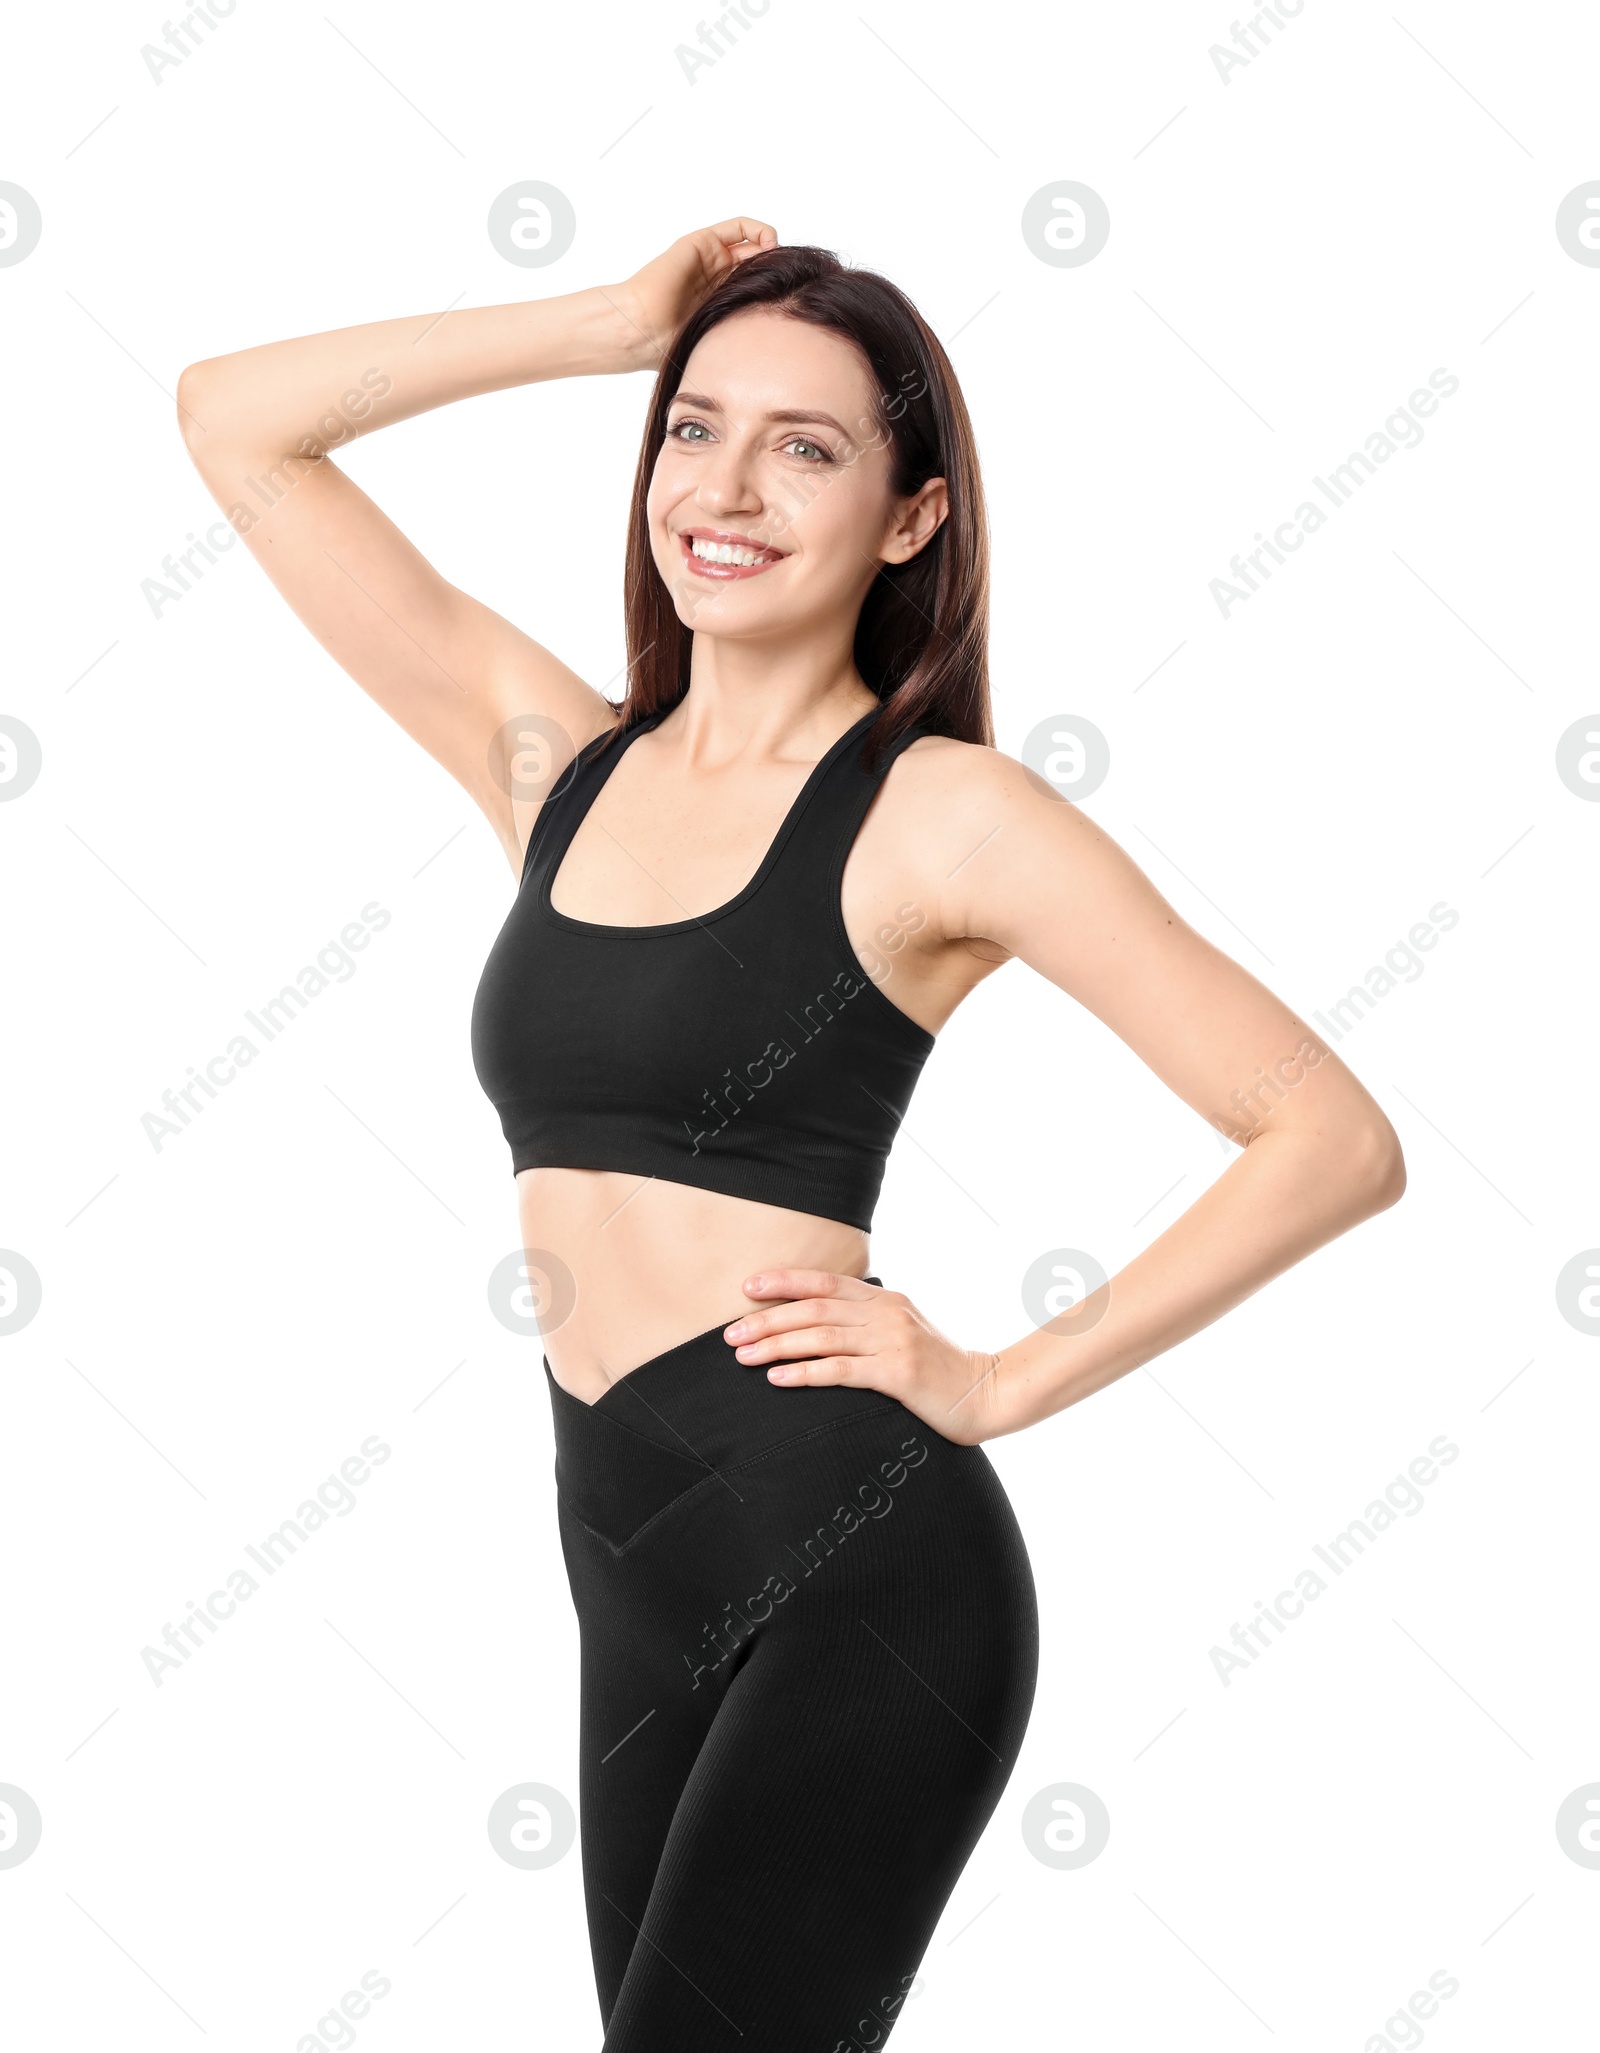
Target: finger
<point x="723" y="248"/>
<point x="820" y="1375"/>
<point x="758" y="234"/>
<point x="770" y="1283"/>
<point x="806" y="1342"/>
<point x="793" y="1313"/>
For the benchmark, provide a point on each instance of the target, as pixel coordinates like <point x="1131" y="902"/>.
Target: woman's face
<point x="771" y="508"/>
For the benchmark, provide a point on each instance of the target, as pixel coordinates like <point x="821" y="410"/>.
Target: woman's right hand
<point x="660" y="297"/>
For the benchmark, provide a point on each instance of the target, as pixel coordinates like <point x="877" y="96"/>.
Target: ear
<point x="915" y="522"/>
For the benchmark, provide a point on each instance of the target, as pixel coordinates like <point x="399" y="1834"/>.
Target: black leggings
<point x="809" y="1644"/>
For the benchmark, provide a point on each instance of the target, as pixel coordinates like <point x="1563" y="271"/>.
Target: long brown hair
<point x="922" y="639"/>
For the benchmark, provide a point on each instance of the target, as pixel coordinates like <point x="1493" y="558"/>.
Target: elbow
<point x="196" y="400"/>
<point x="1376" y="1167"/>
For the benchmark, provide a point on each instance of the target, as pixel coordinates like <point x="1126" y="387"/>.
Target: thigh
<point x="636" y="1751"/>
<point x="639" y="1735"/>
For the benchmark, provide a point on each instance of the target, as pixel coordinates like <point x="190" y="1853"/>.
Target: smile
<point x="712" y="553"/>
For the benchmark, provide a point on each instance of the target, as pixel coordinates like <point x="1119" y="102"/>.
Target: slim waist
<point x="699" y="1403"/>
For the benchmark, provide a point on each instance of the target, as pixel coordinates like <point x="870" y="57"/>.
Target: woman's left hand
<point x="838" y="1329"/>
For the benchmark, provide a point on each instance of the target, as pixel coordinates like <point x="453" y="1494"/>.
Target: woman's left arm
<point x="1318" y="1155"/>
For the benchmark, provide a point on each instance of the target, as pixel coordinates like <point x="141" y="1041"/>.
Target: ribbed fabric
<point x="744" y="1051"/>
<point x="809" y="1647"/>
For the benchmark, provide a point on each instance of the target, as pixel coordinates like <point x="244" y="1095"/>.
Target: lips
<point x="726" y="543"/>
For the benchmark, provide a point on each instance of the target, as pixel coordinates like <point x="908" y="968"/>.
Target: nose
<point x="728" y="488"/>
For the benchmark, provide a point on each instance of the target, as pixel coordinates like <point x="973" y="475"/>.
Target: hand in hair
<point x="660" y="297"/>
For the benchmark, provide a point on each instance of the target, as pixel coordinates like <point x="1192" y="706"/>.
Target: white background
<point x="225" y="1320"/>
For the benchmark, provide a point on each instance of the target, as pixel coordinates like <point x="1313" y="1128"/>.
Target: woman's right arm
<point x="260" y="424"/>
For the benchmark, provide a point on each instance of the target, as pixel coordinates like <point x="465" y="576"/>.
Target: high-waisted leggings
<point x="809" y="1646"/>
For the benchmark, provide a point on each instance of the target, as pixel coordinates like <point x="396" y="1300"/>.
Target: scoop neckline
<point x="774" y="848"/>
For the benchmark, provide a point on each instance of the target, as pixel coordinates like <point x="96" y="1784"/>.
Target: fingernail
<point x="735" y="1331"/>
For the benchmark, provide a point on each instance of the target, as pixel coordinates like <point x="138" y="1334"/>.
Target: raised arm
<point x="261" y="425"/>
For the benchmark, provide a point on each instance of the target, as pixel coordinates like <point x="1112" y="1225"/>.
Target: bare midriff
<point x="655" y="1263"/>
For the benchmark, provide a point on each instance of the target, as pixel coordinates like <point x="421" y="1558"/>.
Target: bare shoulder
<point x="987" y="844"/>
<point x="943" y="797"/>
<point x="935" y="772"/>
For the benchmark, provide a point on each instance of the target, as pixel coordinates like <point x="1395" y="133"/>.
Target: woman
<point x="748" y="899"/>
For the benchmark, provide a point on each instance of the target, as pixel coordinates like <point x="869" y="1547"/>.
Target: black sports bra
<point x="744" y="1051"/>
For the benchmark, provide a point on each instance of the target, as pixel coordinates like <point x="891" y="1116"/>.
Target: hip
<point x="696" y="1487"/>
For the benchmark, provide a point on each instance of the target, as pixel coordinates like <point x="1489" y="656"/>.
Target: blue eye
<point x="802" y="443"/>
<point x="679" y="427"/>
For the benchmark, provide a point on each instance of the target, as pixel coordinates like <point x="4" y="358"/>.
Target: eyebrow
<point x="790" y="415"/>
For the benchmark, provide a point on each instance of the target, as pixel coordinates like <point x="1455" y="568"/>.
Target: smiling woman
<point x="806" y="506"/>
<point x="700" y="1069"/>
<point x="897" y="428"/>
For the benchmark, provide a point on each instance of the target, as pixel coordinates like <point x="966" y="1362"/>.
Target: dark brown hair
<point x="922" y="638"/>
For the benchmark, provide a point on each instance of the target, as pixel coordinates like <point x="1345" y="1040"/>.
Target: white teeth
<point x="724" y="552"/>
